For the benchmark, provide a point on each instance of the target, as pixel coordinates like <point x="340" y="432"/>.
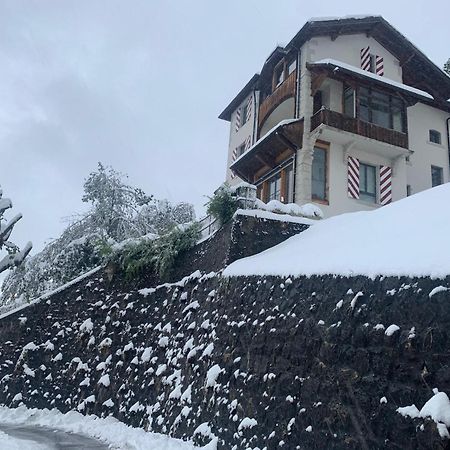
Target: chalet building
<point x="349" y="115"/>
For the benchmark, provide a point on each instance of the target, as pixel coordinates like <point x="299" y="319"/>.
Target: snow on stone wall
<point x="257" y="362"/>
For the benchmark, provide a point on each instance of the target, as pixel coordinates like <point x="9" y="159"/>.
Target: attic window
<point x="278" y="75"/>
<point x="292" y="65"/>
<point x="435" y="137"/>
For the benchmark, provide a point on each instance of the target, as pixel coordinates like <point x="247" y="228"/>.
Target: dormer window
<point x="435" y="137"/>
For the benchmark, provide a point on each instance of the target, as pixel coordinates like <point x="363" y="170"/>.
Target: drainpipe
<point x="255" y="118"/>
<point x="297" y="100"/>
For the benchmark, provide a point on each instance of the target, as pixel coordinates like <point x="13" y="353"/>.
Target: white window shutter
<point x="385" y="185"/>
<point x="353" y="177"/>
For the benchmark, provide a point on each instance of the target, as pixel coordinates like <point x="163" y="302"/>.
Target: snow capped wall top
<point x="341" y="65"/>
<point x="408" y="237"/>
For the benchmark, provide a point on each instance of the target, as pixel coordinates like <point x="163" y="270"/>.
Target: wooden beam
<point x="267" y="161"/>
<point x="283" y="193"/>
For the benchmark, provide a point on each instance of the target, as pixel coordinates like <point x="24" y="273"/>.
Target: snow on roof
<point x="407" y="238"/>
<point x="278" y="125"/>
<point x="373" y="76"/>
<point x="330" y="18"/>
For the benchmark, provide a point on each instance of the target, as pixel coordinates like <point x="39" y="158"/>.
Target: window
<point x="289" y="185"/>
<point x="437" y="176"/>
<point x="240" y="150"/>
<point x="349" y="101"/>
<point x="292" y="65"/>
<point x="274" y="188"/>
<point x="435" y="137"/>
<point x="244" y="114"/>
<point x="367" y="183"/>
<point x="381" y="109"/>
<point x="408" y="190"/>
<point x="319" y="174"/>
<point x="373" y="63"/>
<point x="278" y="75"/>
<point x="317" y="102"/>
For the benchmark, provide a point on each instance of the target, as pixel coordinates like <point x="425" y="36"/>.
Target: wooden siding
<point x="279" y="95"/>
<point x="357" y="126"/>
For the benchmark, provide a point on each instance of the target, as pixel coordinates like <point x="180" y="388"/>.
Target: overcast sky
<point x="139" y="85"/>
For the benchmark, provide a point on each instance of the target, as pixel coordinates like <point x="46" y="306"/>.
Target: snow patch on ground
<point x="401" y="239"/>
<point x="109" y="430"/>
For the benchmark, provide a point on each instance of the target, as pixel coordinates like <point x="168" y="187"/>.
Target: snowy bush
<point x="223" y="204"/>
<point x="14" y="256"/>
<point x="159" y="254"/>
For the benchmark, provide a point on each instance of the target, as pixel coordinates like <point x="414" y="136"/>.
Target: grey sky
<point x="139" y="84"/>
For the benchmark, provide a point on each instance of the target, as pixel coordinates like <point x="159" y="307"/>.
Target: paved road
<point x="52" y="439"/>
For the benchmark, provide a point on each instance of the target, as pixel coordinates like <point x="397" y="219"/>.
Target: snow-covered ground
<point x="410" y="237"/>
<point x="109" y="430"/>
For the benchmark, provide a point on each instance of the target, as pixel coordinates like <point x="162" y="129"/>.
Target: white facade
<point x="242" y="134"/>
<point x="411" y="167"/>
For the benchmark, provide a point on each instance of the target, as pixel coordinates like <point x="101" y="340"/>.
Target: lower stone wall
<point x="270" y="363"/>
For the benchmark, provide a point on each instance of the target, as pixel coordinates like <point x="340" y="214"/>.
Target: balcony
<point x="281" y="93"/>
<point x="337" y="120"/>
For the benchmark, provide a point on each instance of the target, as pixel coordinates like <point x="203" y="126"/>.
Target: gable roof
<point x="418" y="70"/>
<point x="242" y="95"/>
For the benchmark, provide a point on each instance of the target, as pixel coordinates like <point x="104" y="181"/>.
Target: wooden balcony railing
<point x="281" y="93"/>
<point x="337" y="120"/>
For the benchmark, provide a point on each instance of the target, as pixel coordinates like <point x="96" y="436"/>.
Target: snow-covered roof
<point x="331" y="18"/>
<point x="347" y="67"/>
<point x="406" y="238"/>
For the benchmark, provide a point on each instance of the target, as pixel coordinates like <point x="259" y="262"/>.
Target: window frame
<point x="394" y="103"/>
<point x="240" y="150"/>
<point x="437" y="134"/>
<point x="440" y="170"/>
<point x="324" y="146"/>
<point x="365" y="193"/>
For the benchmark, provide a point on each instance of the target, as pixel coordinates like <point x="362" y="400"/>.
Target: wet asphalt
<point x="52" y="439"/>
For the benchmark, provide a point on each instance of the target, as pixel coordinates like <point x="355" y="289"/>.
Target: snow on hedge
<point x="109" y="430"/>
<point x="409" y="237"/>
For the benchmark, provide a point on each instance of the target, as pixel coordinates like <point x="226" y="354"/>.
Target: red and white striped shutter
<point x="249" y="108"/>
<point x="353" y="177"/>
<point x="248" y="142"/>
<point x="237" y="123"/>
<point x="365" y="58"/>
<point x="233" y="159"/>
<point x="385" y="185"/>
<point x="379" y="66"/>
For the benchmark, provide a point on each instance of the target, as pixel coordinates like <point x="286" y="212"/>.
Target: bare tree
<point x="14" y="256"/>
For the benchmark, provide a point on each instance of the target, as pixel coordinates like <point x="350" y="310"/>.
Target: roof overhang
<point x="418" y="70"/>
<point x="286" y="137"/>
<point x="339" y="70"/>
<point x="242" y="95"/>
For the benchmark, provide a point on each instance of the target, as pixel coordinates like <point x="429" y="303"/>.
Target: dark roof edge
<point x="243" y="93"/>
